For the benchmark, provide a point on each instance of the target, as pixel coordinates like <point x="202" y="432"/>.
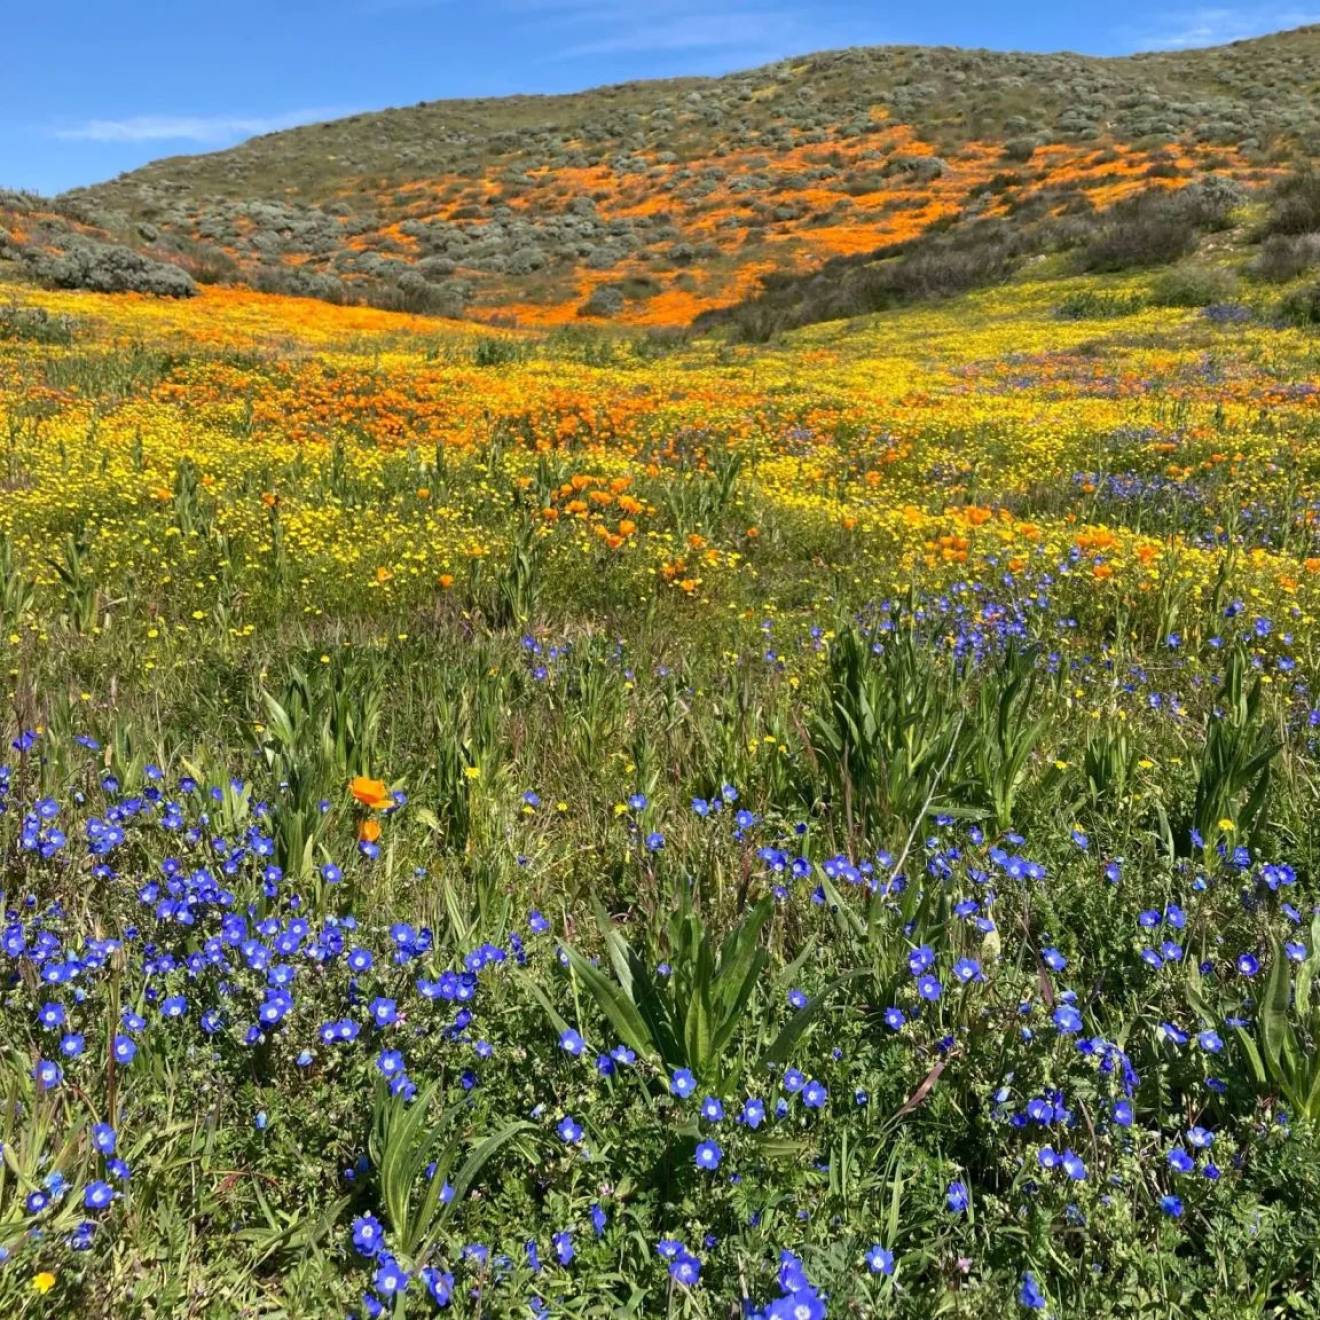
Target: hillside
<point x="655" y="202"/>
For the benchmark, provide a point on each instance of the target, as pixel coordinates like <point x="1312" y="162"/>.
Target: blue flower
<point x="682" y="1083"/>
<point x="879" y="1260"/>
<point x="956" y="1197"/>
<point x="391" y="1277"/>
<point x="47" y="1074"/>
<point x="368" y="1234"/>
<point x="569" y="1130"/>
<point x="98" y="1195"/>
<point x="1067" y="1019"/>
<point x="685" y="1269"/>
<point x="708" y="1155"/>
<point x="570" y="1042"/>
<point x="1172" y="1206"/>
<point x="815" y="1095"/>
<point x="1030" y="1295"/>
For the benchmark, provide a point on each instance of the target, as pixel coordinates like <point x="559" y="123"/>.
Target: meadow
<point x="584" y="822"/>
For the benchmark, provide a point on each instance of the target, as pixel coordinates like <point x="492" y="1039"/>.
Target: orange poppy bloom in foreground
<point x="372" y="793"/>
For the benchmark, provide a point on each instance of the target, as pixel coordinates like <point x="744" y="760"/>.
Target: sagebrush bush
<point x="1295" y="204"/>
<point x="85" y="263"/>
<point x="1283" y="257"/>
<point x="1301" y="307"/>
<point x="1193" y="285"/>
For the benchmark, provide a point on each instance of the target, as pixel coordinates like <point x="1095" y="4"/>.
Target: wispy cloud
<point x="748" y="30"/>
<point x="206" y="130"/>
<point x="1215" y="26"/>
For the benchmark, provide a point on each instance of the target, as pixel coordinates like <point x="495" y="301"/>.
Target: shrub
<point x="1152" y="233"/>
<point x="605" y="301"/>
<point x="108" y="268"/>
<point x="1284" y="257"/>
<point x="1301" y="307"/>
<point x="497" y="352"/>
<point x="1193" y="286"/>
<point x="1094" y="304"/>
<point x="35" y="325"/>
<point x="1295" y="204"/>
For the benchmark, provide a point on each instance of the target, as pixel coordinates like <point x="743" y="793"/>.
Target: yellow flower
<point x="472" y="772"/>
<point x="43" y="1282"/>
<point x="1226" y="825"/>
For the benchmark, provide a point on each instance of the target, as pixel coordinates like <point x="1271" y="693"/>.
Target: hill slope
<point x="654" y="202"/>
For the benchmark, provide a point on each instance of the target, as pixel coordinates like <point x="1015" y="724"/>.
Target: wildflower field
<point x="598" y="823"/>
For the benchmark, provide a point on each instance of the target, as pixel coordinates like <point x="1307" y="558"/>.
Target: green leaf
<point x="782" y="1045"/>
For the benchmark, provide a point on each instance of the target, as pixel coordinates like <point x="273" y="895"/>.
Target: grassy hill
<point x="656" y="202"/>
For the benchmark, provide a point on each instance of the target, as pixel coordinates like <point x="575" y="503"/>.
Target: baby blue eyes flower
<point x="173" y="1006"/>
<point x="712" y="1110"/>
<point x="956" y="1197"/>
<point x="368" y="1234"/>
<point x="47" y="1074"/>
<point x="1180" y="1161"/>
<point x="1247" y="964"/>
<point x="598" y="1219"/>
<point x="753" y="1114"/>
<point x="124" y="1049"/>
<point x="1067" y="1019"/>
<point x="879" y="1260"/>
<point x="384" y="1012"/>
<point x="1172" y="1206"/>
<point x="331" y="874"/>
<point x="103" y="1138"/>
<point x="390" y="1063"/>
<point x="98" y="1195"/>
<point x="708" y="1155"/>
<point x="440" y="1284"/>
<point x="570" y="1042"/>
<point x="894" y="1018"/>
<point x="1029" y="1294"/>
<point x="794" y="1081"/>
<point x="569" y="1131"/>
<point x="391" y="1277"/>
<point x="1054" y="960"/>
<point x="921" y="959"/>
<point x="51" y="1015"/>
<point x="967" y="970"/>
<point x="655" y="841"/>
<point x="815" y="1095"/>
<point x="637" y="802"/>
<point x="929" y="989"/>
<point x="685" y="1269"/>
<point x="682" y="1083"/>
<point x="797" y="999"/>
<point x="1122" y="1113"/>
<point x="563" y="1245"/>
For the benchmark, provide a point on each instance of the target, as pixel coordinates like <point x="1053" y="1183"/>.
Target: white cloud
<point x="208" y="130"/>
<point x="1216" y="26"/>
<point x="724" y="32"/>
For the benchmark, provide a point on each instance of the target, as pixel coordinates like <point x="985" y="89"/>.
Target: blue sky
<point x="94" y="87"/>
